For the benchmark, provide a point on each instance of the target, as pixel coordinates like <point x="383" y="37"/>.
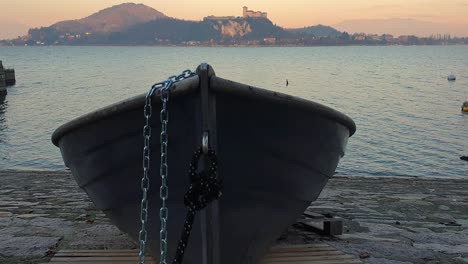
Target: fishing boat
<point x="451" y="77"/>
<point x="275" y="153"/>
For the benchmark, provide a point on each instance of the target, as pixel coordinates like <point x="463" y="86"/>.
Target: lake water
<point x="407" y="114"/>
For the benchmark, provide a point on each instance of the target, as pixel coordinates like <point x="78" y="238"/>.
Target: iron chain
<point x="164" y="88"/>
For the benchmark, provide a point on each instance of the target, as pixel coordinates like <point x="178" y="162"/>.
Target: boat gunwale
<point x="225" y="86"/>
<point x="178" y="89"/>
<point x="218" y="85"/>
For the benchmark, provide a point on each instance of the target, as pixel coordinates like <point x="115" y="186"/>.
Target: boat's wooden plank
<point x="96" y="254"/>
<point x="343" y="261"/>
<point x="99" y="262"/>
<point x="299" y="246"/>
<point x="99" y="250"/>
<point x="302" y="249"/>
<point x="270" y="255"/>
<point x="276" y="249"/>
<point x="304" y="258"/>
<point x="299" y="252"/>
<point x="103" y="259"/>
<point x="305" y="253"/>
<point x="290" y="254"/>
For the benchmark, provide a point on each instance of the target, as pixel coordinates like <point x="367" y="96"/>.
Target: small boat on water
<point x="451" y="77"/>
<point x="275" y="153"/>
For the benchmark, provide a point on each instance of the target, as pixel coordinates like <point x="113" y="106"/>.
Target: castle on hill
<point x="245" y="13"/>
<point x="251" y="13"/>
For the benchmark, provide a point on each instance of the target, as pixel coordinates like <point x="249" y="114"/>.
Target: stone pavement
<point x="387" y="219"/>
<point x="398" y="219"/>
<point x="43" y="211"/>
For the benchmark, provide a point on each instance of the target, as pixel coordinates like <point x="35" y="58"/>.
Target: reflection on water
<point x="3" y="125"/>
<point x="3" y="107"/>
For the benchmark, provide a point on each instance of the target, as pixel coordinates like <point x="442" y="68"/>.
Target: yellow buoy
<point x="464" y="107"/>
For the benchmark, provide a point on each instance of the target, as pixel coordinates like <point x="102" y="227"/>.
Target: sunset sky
<point x="370" y="16"/>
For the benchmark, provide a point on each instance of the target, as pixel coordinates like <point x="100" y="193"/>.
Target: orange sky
<point x="450" y="16"/>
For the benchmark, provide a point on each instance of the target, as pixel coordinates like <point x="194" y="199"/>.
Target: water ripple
<point x="407" y="114"/>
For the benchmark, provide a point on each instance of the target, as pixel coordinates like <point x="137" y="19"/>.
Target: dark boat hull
<point x="275" y="155"/>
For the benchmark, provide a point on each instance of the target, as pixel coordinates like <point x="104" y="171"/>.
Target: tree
<point x="345" y="37"/>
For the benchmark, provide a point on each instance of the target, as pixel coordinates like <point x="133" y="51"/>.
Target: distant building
<point x="251" y="13"/>
<point x="359" y="36"/>
<point x="403" y="39"/>
<point x="375" y="37"/>
<point x="269" y="41"/>
<point x="246" y="13"/>
<point x="387" y="37"/>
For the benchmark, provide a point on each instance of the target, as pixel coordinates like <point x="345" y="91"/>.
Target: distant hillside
<point x="170" y="30"/>
<point x="132" y="24"/>
<point x="112" y="19"/>
<point x="137" y="24"/>
<point x="318" y="31"/>
<point x="397" y="27"/>
<point x="247" y="28"/>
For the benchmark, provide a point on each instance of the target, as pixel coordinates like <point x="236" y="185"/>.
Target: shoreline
<point x="407" y="177"/>
<point x="237" y="46"/>
<point x="387" y="219"/>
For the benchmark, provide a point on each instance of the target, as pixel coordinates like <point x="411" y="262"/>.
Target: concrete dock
<point x="386" y="219"/>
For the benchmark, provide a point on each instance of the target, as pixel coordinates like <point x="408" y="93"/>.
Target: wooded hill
<point x="137" y="24"/>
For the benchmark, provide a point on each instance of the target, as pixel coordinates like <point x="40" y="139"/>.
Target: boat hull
<point x="275" y="155"/>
